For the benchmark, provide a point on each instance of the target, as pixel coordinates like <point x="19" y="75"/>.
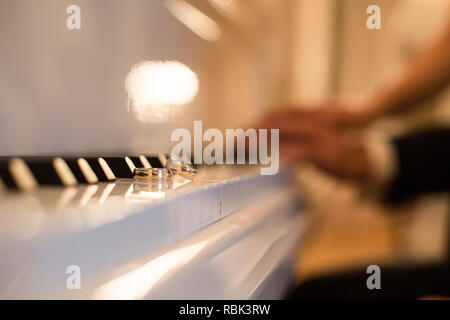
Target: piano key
<point x="122" y="167"/>
<point x="82" y="170"/>
<point x="6" y="175"/>
<point x="137" y="161"/>
<point x="163" y="159"/>
<point x="157" y="161"/>
<point x="144" y="161"/>
<point x="2" y="186"/>
<point x="16" y="174"/>
<point x="100" y="168"/>
<point x="51" y="171"/>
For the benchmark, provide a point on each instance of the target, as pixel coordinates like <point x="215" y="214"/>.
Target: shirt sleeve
<point x="383" y="162"/>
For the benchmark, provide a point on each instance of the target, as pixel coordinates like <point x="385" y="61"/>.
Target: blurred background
<point x="63" y="91"/>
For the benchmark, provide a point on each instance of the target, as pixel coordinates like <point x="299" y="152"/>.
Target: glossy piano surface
<point x="225" y="235"/>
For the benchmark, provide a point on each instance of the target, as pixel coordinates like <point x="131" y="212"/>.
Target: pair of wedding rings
<point x="172" y="167"/>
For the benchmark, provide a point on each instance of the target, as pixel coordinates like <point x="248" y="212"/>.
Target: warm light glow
<point x="194" y="19"/>
<point x="157" y="89"/>
<point x="137" y="283"/>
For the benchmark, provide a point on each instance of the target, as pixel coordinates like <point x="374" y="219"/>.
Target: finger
<point x="294" y="153"/>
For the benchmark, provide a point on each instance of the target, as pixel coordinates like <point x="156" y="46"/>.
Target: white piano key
<point x="100" y="169"/>
<point x="106" y="169"/>
<point x="163" y="159"/>
<point x="144" y="161"/>
<point x="81" y="170"/>
<point x="87" y="171"/>
<point x="22" y="175"/>
<point x="64" y="173"/>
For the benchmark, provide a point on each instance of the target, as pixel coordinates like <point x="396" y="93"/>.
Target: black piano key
<point x="16" y="174"/>
<point x="137" y="161"/>
<point x="2" y="185"/>
<point x="101" y="169"/>
<point x="195" y="166"/>
<point x="122" y="167"/>
<point x="163" y="158"/>
<point x="144" y="161"/>
<point x="5" y="174"/>
<point x="155" y="161"/>
<point x="51" y="171"/>
<point x="81" y="169"/>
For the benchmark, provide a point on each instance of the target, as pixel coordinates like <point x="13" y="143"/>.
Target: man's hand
<point x="306" y="137"/>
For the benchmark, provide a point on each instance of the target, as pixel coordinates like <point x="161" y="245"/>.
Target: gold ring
<point x="187" y="172"/>
<point x="152" y="173"/>
<point x="181" y="169"/>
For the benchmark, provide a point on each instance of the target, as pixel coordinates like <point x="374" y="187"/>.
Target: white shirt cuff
<point x="382" y="159"/>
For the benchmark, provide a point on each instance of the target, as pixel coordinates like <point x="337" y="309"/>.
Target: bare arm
<point x="428" y="73"/>
<point x="425" y="76"/>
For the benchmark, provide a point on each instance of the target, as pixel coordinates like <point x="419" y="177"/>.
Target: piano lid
<point x="63" y="91"/>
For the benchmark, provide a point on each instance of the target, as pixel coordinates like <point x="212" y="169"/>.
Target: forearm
<point x="428" y="73"/>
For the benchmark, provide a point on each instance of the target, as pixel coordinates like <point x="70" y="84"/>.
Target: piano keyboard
<point x="85" y="211"/>
<point x="26" y="173"/>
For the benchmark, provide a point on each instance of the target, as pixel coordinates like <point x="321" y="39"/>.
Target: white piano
<point x="229" y="234"/>
<point x="97" y="234"/>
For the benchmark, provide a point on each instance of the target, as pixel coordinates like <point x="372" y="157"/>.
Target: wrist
<point x="376" y="106"/>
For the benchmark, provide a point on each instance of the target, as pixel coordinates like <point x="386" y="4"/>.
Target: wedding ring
<point x="181" y="169"/>
<point x="173" y="164"/>
<point x="152" y="173"/>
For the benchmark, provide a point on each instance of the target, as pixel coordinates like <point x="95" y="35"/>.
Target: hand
<point x="328" y="113"/>
<point x="329" y="149"/>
